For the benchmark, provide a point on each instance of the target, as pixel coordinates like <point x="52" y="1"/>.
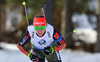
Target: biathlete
<point x="45" y="41"/>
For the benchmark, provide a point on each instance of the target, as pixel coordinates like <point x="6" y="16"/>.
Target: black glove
<point x="33" y="57"/>
<point x="48" y="50"/>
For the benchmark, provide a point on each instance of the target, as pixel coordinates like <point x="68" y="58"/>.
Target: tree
<point x="0" y="17"/>
<point x="66" y="25"/>
<point x="97" y="45"/>
<point x="0" y="22"/>
<point x="49" y="11"/>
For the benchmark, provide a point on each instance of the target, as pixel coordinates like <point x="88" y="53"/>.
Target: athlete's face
<point x="40" y="32"/>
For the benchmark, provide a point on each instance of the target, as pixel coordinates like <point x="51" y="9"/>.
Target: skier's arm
<point x="24" y="39"/>
<point x="60" y="41"/>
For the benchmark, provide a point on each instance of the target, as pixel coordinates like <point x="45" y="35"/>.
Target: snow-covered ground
<point x="10" y="53"/>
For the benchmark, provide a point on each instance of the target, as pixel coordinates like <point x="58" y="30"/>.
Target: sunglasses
<point x="41" y="28"/>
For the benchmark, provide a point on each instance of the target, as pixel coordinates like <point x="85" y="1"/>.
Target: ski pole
<point x="24" y="3"/>
<point x="43" y="6"/>
<point x="74" y="31"/>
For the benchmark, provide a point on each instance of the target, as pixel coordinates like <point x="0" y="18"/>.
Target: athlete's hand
<point x="48" y="50"/>
<point x="33" y="57"/>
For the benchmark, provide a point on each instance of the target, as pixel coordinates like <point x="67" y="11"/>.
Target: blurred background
<point x="64" y="15"/>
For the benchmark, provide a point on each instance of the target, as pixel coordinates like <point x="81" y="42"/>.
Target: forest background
<point x="64" y="15"/>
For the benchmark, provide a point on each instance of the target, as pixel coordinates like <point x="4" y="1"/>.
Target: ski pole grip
<point x="24" y="3"/>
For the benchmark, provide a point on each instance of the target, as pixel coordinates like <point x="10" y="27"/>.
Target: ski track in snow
<point x="10" y="53"/>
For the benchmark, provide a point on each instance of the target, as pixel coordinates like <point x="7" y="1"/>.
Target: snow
<point x="92" y="5"/>
<point x="13" y="18"/>
<point x="79" y="56"/>
<point x="85" y="26"/>
<point x="87" y="35"/>
<point x="83" y="20"/>
<point x="10" y="53"/>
